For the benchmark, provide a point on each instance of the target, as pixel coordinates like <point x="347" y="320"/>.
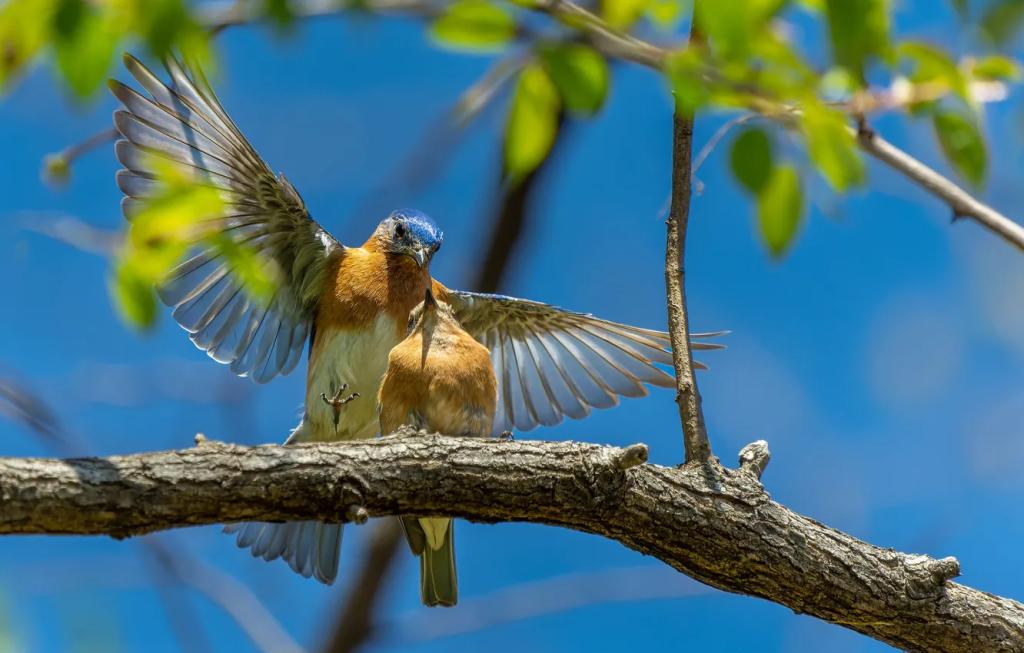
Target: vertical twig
<point x="695" y="435"/>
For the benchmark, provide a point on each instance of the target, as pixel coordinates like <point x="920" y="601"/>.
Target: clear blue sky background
<point x="882" y="359"/>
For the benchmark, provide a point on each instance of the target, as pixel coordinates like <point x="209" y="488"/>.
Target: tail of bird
<point x="438" y="579"/>
<point x="310" y="548"/>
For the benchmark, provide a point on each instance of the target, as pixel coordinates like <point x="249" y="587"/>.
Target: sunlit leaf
<point x="859" y="31"/>
<point x="84" y="43"/>
<point x="253" y="272"/>
<point x="25" y="28"/>
<point x="175" y="218"/>
<point x="684" y="69"/>
<point x="832" y="147"/>
<point x="580" y="73"/>
<point x="474" y="25"/>
<point x="962" y="143"/>
<point x="933" y="65"/>
<point x="751" y="159"/>
<point x="780" y="207"/>
<point x="134" y="295"/>
<point x="734" y="26"/>
<point x="532" y="122"/>
<point x="666" y="14"/>
<point x="996" y="68"/>
<point x="621" y="14"/>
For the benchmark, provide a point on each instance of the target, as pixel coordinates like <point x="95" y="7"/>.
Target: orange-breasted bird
<point x="439" y="379"/>
<point x="350" y="304"/>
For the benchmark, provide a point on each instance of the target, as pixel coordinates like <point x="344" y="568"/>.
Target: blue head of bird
<point x="408" y="232"/>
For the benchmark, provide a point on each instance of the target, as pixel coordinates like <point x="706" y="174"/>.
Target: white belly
<point x="358" y="358"/>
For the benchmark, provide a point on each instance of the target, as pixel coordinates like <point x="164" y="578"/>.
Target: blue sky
<point x="882" y="359"/>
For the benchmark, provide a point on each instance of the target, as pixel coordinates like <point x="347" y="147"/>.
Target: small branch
<point x="754" y="458"/>
<point x="695" y="435"/>
<point x="355" y="622"/>
<point x="539" y="598"/>
<point x="963" y="204"/>
<point x="57" y="166"/>
<point x="233" y="597"/>
<point x="723" y="531"/>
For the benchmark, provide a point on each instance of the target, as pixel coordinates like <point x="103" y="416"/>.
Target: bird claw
<point x="337" y="402"/>
<point x="505" y="436"/>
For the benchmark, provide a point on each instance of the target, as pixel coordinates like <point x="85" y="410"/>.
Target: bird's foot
<point x="337" y="402"/>
<point x="505" y="436"/>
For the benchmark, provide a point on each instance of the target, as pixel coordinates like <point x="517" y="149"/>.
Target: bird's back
<point x="448" y="387"/>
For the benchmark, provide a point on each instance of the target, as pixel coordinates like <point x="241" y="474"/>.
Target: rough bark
<point x="717" y="525"/>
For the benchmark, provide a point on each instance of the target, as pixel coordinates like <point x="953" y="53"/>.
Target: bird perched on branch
<point x="350" y="304"/>
<point x="439" y="379"/>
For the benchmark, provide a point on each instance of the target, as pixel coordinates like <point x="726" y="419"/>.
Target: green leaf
<point x="473" y="25"/>
<point x="622" y="14"/>
<point x="251" y="270"/>
<point x="735" y="26"/>
<point x="859" y="31"/>
<point x="962" y="143"/>
<point x="832" y="147"/>
<point x="683" y="68"/>
<point x="25" y="28"/>
<point x="962" y="10"/>
<point x="751" y="159"/>
<point x="996" y="68"/>
<point x="932" y="65"/>
<point x="532" y="122"/>
<point x="280" y="12"/>
<point x="134" y="295"/>
<point x="85" y="41"/>
<point x="780" y="206"/>
<point x="1002" y="20"/>
<point x="581" y="75"/>
<point x="666" y="14"/>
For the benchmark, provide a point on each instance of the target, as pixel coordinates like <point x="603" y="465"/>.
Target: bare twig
<point x="543" y="597"/>
<point x="230" y="595"/>
<point x="356" y="622"/>
<point x="717" y="137"/>
<point x="57" y="166"/>
<point x="962" y="203"/>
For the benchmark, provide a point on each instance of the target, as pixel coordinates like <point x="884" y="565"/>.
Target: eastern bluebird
<point x="439" y="379"/>
<point x="350" y="303"/>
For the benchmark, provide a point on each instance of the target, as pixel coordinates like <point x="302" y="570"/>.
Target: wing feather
<point x="551" y="363"/>
<point x="182" y="123"/>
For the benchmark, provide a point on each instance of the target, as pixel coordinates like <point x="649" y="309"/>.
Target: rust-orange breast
<point x="365" y="282"/>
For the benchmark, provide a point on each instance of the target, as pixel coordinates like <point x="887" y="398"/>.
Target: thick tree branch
<point x="695" y="435"/>
<point x="724" y="531"/>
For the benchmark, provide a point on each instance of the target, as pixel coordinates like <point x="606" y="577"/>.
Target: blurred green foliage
<point x="81" y="37"/>
<point x="182" y="214"/>
<point x="742" y="60"/>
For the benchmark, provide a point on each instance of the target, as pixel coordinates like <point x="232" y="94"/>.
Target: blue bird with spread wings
<point x="349" y="305"/>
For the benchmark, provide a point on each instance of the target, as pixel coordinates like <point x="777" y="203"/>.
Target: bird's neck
<point x="368" y="283"/>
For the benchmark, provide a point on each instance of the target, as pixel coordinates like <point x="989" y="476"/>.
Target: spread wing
<point x="183" y="123"/>
<point x="552" y="363"/>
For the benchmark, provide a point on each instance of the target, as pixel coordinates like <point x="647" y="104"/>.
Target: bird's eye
<point x="400" y="230"/>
